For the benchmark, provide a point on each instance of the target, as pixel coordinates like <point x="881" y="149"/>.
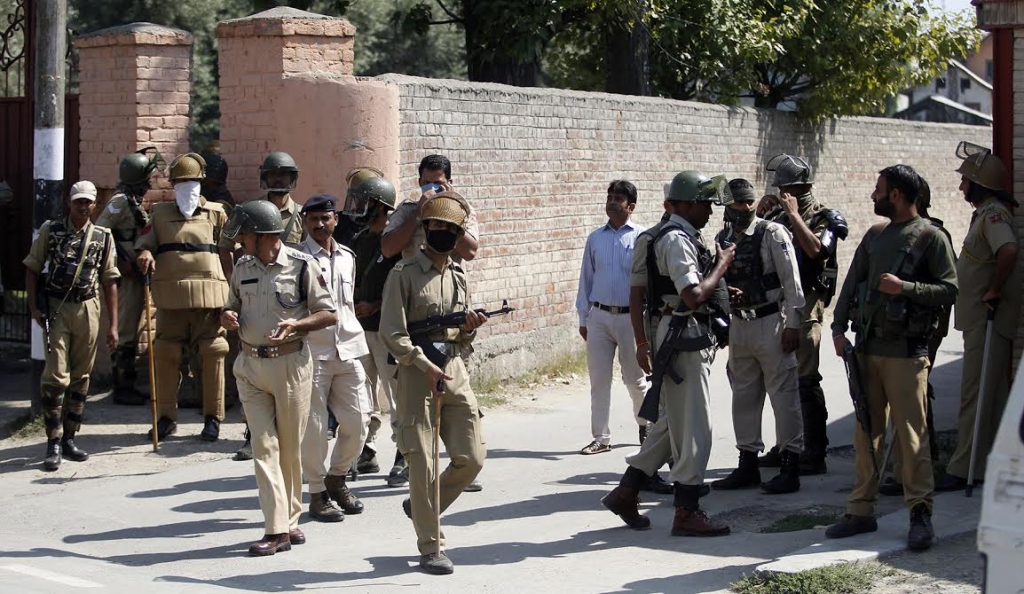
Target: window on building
<point x="990" y="70"/>
<point x="965" y="83"/>
<point x="940" y="83"/>
<point x="973" y="105"/>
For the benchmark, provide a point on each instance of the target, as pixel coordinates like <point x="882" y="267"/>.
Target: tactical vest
<point x="815" y="274"/>
<point x="895" y="316"/>
<point x="661" y="285"/>
<point x="188" y="270"/>
<point x="746" y="272"/>
<point x="139" y="218"/>
<point x="64" y="251"/>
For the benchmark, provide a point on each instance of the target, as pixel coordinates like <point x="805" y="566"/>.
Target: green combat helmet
<point x="693" y="186"/>
<point x="254" y="216"/>
<point x="789" y="171"/>
<point x="136" y="168"/>
<point x="279" y="161"/>
<point x="363" y="199"/>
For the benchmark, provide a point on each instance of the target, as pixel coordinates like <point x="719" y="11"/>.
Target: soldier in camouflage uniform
<point x="816" y="231"/>
<point x="125" y="215"/>
<point x="78" y="257"/>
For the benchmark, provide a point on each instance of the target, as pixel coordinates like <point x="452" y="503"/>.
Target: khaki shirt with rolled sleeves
<point x="290" y="287"/>
<point x="295" y="234"/>
<point x="414" y="291"/>
<point x="406" y="211"/>
<point x="779" y="256"/>
<point x="676" y="256"/>
<point x="345" y="340"/>
<point x="991" y="228"/>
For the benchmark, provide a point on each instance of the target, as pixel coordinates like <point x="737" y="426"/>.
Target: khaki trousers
<point x="757" y="364"/>
<point x="74" y="328"/>
<point x="898" y="386"/>
<point x="460" y="432"/>
<point x="199" y="331"/>
<point x="683" y="430"/>
<point x="275" y="395"/>
<point x="997" y="392"/>
<point x="341" y="387"/>
<point x="606" y="334"/>
<point x="380" y="379"/>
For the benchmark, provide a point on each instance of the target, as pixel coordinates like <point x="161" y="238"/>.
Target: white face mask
<point x="186" y="196"/>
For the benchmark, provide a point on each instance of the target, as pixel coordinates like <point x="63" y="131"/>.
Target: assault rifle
<point x="420" y="329"/>
<point x="861" y="409"/>
<point x="660" y="367"/>
<point x="123" y="255"/>
<point x="43" y="305"/>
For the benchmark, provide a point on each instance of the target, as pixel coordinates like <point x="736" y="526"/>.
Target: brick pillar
<point x="135" y="85"/>
<point x="259" y="56"/>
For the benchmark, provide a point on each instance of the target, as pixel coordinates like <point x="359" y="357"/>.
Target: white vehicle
<point x="1001" y="531"/>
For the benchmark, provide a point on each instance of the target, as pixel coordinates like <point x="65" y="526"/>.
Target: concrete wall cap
<point x="285" y="21"/>
<point x="134" y="34"/>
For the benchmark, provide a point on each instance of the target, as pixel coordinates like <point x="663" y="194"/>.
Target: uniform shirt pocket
<point x="288" y="293"/>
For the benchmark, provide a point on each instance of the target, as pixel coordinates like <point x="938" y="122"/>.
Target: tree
<point x="851" y="56"/>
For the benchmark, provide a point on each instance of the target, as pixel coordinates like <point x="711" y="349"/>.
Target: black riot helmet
<point x="279" y="161"/>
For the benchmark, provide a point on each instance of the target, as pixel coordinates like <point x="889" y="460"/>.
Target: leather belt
<point x="614" y="309"/>
<point x="757" y="312"/>
<point x="268" y="351"/>
<point x="72" y="297"/>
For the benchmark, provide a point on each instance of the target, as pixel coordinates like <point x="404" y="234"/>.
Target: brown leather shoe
<point x="696" y="523"/>
<point x="624" y="502"/>
<point x="270" y="544"/>
<point x="296" y="537"/>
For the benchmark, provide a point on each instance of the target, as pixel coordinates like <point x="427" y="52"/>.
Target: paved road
<point x="537" y="526"/>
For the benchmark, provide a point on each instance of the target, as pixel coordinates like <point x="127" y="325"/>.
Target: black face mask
<point x="739" y="219"/>
<point x="442" y="241"/>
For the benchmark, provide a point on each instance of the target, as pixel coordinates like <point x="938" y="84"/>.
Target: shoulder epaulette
<point x="298" y="255"/>
<point x="400" y="265"/>
<point x="244" y="258"/>
<point x="345" y="248"/>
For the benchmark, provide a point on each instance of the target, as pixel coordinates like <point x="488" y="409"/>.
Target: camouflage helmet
<point x="685" y="187"/>
<point x="278" y="161"/>
<point x="187" y="167"/>
<point x="254" y="216"/>
<point x="449" y="207"/>
<point x="981" y="166"/>
<point x="789" y="171"/>
<point x="216" y="168"/>
<point x="137" y="167"/>
<point x="360" y="174"/>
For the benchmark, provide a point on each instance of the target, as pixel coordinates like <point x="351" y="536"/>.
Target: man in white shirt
<point x="339" y="382"/>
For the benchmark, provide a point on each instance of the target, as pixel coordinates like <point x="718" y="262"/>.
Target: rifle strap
<point x="906" y="260"/>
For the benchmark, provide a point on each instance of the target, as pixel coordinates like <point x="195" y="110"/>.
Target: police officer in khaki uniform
<point x="686" y="277"/>
<point x="125" y="215"/>
<point x="277" y="296"/>
<point x="404" y="235"/>
<point x="78" y="257"/>
<point x="432" y="284"/>
<point x="816" y="231"/>
<point x="368" y="203"/>
<point x="990" y="278"/>
<point x="766" y="304"/>
<point x="902" y="274"/>
<point x="339" y="382"/>
<point x="188" y="290"/>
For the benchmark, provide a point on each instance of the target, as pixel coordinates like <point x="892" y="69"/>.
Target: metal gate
<point x="16" y="131"/>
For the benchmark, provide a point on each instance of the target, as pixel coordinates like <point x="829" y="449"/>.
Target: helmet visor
<point x="236" y="222"/>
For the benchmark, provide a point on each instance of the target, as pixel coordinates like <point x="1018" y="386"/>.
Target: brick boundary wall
<point x="535" y="163"/>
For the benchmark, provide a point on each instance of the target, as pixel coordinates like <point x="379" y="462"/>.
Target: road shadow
<point x="175" y="530"/>
<point x="535" y="507"/>
<point x="226" y="484"/>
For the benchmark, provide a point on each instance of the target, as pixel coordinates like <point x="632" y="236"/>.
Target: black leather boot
<point x="71" y="451"/>
<point x="745" y="476"/>
<point x="52" y="459"/>
<point x="788" y="479"/>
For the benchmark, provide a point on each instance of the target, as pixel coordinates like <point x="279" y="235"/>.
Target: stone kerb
<point x="135" y="90"/>
<point x="258" y="55"/>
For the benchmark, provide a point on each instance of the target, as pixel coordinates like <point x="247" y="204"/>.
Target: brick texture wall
<point x="536" y="163"/>
<point x="135" y="85"/>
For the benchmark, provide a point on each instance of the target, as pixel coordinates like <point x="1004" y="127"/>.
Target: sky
<point x="954" y="5"/>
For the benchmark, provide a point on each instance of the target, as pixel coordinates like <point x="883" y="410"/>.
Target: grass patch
<point x="803" y="521"/>
<point x="849" y="578"/>
<point x="494" y="391"/>
<point x="26" y="426"/>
